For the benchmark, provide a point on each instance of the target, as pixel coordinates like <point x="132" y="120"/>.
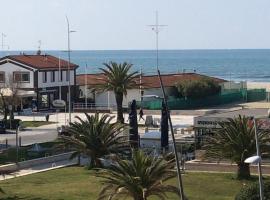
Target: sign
<point x="213" y="122"/>
<point x="59" y="103"/>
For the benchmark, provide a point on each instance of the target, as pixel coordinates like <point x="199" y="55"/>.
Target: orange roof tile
<point x="41" y="62"/>
<point x="151" y="81"/>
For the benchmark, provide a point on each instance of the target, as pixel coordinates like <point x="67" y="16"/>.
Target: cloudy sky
<point x="122" y="24"/>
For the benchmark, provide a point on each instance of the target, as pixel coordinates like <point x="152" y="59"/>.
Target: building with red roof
<point x="150" y="86"/>
<point x="40" y="78"/>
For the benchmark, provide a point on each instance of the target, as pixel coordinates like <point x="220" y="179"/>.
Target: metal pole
<point x="59" y="80"/>
<point x="85" y="82"/>
<point x="259" y="163"/>
<point x="17" y="146"/>
<point x="69" y="95"/>
<point x="157" y="31"/>
<point x="173" y="138"/>
<point x="181" y="190"/>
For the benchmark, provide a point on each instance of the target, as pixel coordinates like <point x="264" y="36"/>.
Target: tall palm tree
<point x="95" y="137"/>
<point x="138" y="178"/>
<point x="119" y="79"/>
<point x="235" y="140"/>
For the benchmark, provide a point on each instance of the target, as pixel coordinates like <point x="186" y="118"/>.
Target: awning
<point x="21" y="93"/>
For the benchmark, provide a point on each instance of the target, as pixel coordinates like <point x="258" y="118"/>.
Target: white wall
<point x="102" y="98"/>
<point x="9" y="68"/>
<point x="234" y="85"/>
<point x="57" y="82"/>
<point x="88" y="91"/>
<point x="259" y="85"/>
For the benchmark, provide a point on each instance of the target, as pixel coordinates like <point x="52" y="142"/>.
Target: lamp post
<point x="257" y="159"/>
<point x="69" y="90"/>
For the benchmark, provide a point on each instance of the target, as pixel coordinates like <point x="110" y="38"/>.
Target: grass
<point x="35" y="123"/>
<point x="76" y="183"/>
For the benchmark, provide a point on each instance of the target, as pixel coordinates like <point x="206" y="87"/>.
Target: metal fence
<point x="226" y="97"/>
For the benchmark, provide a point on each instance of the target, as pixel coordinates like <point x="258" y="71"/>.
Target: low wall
<point x="222" y="167"/>
<point x="35" y="162"/>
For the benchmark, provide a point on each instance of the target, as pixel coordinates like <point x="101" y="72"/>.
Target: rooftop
<point x="40" y="62"/>
<point x="256" y="112"/>
<point x="150" y="81"/>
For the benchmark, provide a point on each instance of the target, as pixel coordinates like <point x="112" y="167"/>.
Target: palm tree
<point x="139" y="178"/>
<point x="118" y="79"/>
<point x="95" y="137"/>
<point x="235" y="140"/>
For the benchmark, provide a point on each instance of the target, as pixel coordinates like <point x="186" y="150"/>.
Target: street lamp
<point x="69" y="90"/>
<point x="257" y="159"/>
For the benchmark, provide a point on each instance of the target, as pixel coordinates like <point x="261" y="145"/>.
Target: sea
<point x="229" y="64"/>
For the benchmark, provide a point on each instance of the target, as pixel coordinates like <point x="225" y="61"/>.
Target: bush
<point x="251" y="192"/>
<point x="195" y="89"/>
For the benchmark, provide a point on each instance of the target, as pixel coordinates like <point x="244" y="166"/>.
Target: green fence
<point x="224" y="98"/>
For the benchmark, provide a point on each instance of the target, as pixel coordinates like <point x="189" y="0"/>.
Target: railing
<point x="92" y="106"/>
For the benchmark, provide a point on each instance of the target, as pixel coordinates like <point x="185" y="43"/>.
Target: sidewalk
<point x="40" y="168"/>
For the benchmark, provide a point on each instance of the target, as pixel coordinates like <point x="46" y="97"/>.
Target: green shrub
<point x="251" y="192"/>
<point x="195" y="89"/>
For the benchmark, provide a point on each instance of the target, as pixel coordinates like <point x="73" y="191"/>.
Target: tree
<point x="139" y="178"/>
<point x="95" y="137"/>
<point x="235" y="140"/>
<point x="9" y="95"/>
<point x="118" y="79"/>
<point x="195" y="89"/>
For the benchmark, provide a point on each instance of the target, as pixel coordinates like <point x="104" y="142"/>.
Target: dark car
<point x="2" y="127"/>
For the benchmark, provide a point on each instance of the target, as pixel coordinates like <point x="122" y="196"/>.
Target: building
<point x="38" y="78"/>
<point x="204" y="125"/>
<point x="150" y="86"/>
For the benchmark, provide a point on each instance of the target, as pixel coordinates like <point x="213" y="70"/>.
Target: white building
<point x="38" y="78"/>
<point x="150" y="86"/>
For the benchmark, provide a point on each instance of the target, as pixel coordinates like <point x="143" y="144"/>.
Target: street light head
<point x="72" y="31"/>
<point x="253" y="160"/>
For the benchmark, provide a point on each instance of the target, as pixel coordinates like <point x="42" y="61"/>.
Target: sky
<point x="122" y="24"/>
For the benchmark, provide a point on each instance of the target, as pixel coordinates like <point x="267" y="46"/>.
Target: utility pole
<point x="60" y="79"/>
<point x="85" y="88"/>
<point x="156" y="28"/>
<point x="259" y="155"/>
<point x="69" y="90"/>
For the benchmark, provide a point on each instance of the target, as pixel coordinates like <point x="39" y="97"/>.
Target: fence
<point x="228" y="96"/>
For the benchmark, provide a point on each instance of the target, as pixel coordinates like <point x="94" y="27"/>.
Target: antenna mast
<point x="156" y="29"/>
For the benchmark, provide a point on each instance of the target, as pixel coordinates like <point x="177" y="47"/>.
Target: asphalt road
<point x="29" y="136"/>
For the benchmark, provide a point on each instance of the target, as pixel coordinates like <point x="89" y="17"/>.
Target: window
<point x="2" y="77"/>
<point x="67" y="76"/>
<point x="21" y="76"/>
<point x="44" y="77"/>
<point x="61" y="76"/>
<point x="52" y="76"/>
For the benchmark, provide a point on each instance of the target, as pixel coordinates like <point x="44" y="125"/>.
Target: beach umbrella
<point x="133" y="124"/>
<point x="164" y="127"/>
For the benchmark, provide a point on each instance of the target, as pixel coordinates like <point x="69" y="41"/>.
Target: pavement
<point x="39" y="168"/>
